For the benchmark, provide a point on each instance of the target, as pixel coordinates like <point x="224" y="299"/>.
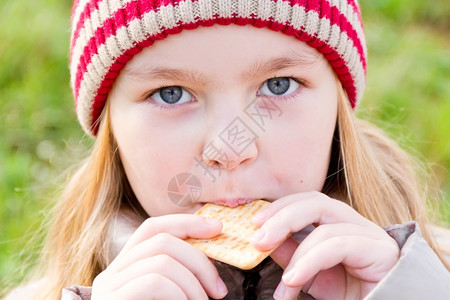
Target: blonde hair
<point x="77" y="246"/>
<point x="381" y="179"/>
<point x="367" y="169"/>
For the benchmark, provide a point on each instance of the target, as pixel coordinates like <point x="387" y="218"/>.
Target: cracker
<point x="233" y="245"/>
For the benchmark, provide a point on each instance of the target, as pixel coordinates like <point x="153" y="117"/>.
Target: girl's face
<point x="223" y="114"/>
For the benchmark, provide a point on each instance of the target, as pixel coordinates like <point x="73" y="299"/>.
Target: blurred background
<point x="408" y="94"/>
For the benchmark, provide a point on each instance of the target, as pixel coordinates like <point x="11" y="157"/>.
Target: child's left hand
<point x="344" y="257"/>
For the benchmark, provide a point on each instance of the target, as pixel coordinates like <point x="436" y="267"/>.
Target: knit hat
<point x="106" y="34"/>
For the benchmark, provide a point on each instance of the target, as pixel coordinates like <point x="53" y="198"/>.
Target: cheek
<point x="142" y="163"/>
<point x="302" y="162"/>
<point x="151" y="157"/>
<point x="303" y="146"/>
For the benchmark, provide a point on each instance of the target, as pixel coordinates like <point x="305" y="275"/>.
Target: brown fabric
<point x="400" y="233"/>
<point x="267" y="275"/>
<point x="76" y="293"/>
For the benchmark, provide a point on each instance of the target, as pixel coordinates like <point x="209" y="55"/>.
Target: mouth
<point x="233" y="202"/>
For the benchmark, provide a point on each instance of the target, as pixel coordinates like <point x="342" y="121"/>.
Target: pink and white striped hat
<point x="106" y="34"/>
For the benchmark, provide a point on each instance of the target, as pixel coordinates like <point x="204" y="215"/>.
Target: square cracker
<point x="233" y="245"/>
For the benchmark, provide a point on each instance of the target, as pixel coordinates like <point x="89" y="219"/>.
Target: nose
<point x="230" y="146"/>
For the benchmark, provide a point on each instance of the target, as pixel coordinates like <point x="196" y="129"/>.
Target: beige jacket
<point x="419" y="274"/>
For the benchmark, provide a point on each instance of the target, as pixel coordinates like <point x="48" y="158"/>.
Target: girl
<point x="255" y="103"/>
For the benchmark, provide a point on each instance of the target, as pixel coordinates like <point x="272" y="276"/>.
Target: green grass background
<point x="408" y="94"/>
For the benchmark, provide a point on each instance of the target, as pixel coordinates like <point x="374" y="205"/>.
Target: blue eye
<point x="278" y="86"/>
<point x="171" y="95"/>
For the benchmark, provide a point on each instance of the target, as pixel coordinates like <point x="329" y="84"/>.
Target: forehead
<point x="242" y="46"/>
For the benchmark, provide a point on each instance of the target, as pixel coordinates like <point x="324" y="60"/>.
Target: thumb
<point x="283" y="254"/>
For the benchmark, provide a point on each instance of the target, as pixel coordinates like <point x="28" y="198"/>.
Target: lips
<point x="233" y="202"/>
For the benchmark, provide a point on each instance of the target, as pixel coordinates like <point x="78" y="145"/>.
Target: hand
<point x="344" y="257"/>
<point x="156" y="263"/>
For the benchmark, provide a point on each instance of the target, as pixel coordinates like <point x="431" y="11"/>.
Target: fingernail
<point x="261" y="216"/>
<point x="258" y="235"/>
<point x="288" y="276"/>
<point x="221" y="287"/>
<point x="212" y="222"/>
<point x="280" y="291"/>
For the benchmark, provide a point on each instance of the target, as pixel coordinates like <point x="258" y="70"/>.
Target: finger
<point x="282" y="292"/>
<point x="179" y="225"/>
<point x="285" y="252"/>
<point x="156" y="287"/>
<point x="364" y="258"/>
<point x="338" y="285"/>
<point x="327" y="231"/>
<point x="187" y="255"/>
<point x="275" y="206"/>
<point x="282" y="255"/>
<point x="301" y="213"/>
<point x="335" y="283"/>
<point x="167" y="267"/>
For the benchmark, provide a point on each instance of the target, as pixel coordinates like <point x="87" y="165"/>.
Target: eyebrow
<point x="162" y="73"/>
<point x="260" y="66"/>
<point x="292" y="60"/>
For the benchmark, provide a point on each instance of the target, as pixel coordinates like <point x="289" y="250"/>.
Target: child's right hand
<point x="157" y="264"/>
